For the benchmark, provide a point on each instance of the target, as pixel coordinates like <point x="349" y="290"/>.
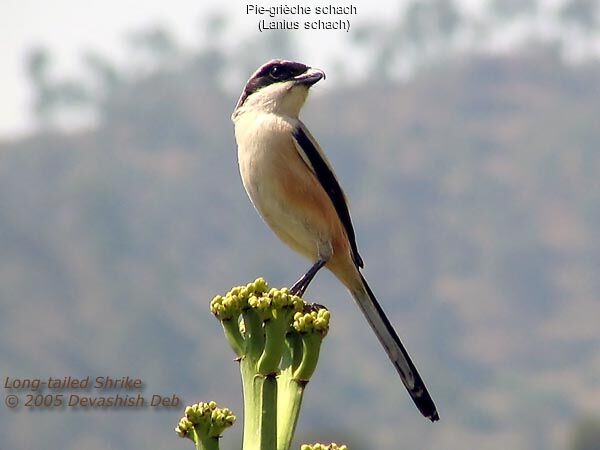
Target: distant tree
<point x="38" y="63"/>
<point x="582" y="14"/>
<point x="210" y="61"/>
<point x="155" y="48"/>
<point x="510" y="9"/>
<point x="430" y="22"/>
<point x="215" y="25"/>
<point x="426" y="30"/>
<point x="52" y="95"/>
<point x="209" y="64"/>
<point x="105" y="74"/>
<point x="374" y="42"/>
<point x="423" y="32"/>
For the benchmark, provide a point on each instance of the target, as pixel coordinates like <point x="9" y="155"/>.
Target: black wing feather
<point x="331" y="186"/>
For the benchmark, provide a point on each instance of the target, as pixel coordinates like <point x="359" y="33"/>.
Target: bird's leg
<point x="301" y="285"/>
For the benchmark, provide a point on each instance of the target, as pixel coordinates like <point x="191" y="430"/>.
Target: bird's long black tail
<point x="397" y="353"/>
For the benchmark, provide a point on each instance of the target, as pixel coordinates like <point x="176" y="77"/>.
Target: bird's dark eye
<point x="279" y="73"/>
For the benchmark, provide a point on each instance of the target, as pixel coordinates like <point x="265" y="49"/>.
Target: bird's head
<point x="278" y="86"/>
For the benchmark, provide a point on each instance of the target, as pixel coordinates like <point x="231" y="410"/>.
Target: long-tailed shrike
<point x="292" y="185"/>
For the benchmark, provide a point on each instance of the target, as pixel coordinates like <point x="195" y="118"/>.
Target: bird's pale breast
<point x="282" y="187"/>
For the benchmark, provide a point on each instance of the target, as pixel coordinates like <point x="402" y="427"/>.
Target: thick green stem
<point x="254" y="336"/>
<point x="251" y="438"/>
<point x="311" y="347"/>
<point x="275" y="330"/>
<point x="289" y="394"/>
<point x="268" y="425"/>
<point x="234" y="337"/>
<point x="260" y="403"/>
<point x="204" y="442"/>
<point x="289" y="402"/>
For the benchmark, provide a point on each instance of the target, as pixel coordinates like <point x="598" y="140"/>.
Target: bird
<point x="292" y="185"/>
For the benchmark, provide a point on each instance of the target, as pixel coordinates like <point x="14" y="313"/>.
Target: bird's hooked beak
<point x="310" y="77"/>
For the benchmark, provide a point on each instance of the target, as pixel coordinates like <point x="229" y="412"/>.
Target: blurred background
<point x="466" y="135"/>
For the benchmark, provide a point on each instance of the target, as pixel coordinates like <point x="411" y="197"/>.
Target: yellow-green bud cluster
<point x="184" y="427"/>
<point x="269" y="303"/>
<point x="313" y="321"/>
<point x="231" y="304"/>
<point x="332" y="446"/>
<point x="206" y="418"/>
<point x="255" y="295"/>
<point x="225" y="308"/>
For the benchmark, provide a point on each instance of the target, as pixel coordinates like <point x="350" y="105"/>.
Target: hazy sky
<point x="68" y="27"/>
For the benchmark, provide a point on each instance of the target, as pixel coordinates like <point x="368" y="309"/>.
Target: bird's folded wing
<point x="315" y="159"/>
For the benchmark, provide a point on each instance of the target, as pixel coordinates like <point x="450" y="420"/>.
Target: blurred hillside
<point x="475" y="194"/>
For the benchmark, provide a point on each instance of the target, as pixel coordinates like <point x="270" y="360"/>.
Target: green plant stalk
<point x="231" y="329"/>
<point x="268" y="425"/>
<point x="289" y="402"/>
<point x="251" y="439"/>
<point x="260" y="403"/>
<point x="311" y="348"/>
<point x="275" y="330"/>
<point x="254" y="336"/>
<point x="260" y="389"/>
<point x="253" y="348"/>
<point x="291" y="388"/>
<point x="204" y="442"/>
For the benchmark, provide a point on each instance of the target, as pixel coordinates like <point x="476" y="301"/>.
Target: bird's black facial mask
<point x="275" y="71"/>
